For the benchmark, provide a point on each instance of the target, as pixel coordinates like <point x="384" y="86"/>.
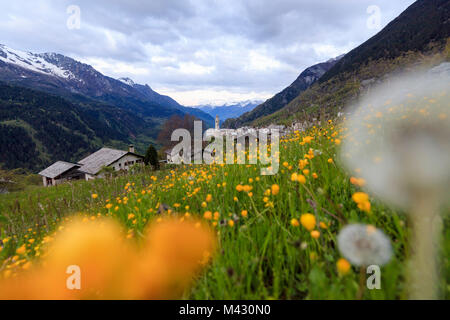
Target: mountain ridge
<point x="229" y="110"/>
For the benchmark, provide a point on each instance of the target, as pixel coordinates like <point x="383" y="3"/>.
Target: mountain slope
<point x="308" y="77"/>
<point x="148" y="93"/>
<point x="424" y="22"/>
<point x="419" y="37"/>
<point x="37" y="129"/>
<point x="64" y="76"/>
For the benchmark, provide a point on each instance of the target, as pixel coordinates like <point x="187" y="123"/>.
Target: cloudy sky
<point x="197" y="51"/>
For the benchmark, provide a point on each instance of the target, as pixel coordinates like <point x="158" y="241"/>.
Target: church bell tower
<point x="217" y="123"/>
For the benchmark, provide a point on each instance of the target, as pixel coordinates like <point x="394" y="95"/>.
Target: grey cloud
<point x="219" y="36"/>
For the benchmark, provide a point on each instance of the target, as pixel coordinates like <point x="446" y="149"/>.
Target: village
<point x="92" y="166"/>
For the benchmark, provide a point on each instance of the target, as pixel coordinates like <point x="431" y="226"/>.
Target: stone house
<point x="90" y="167"/>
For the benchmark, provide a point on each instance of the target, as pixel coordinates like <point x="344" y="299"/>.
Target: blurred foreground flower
<point x="364" y="245"/>
<point x="400" y="140"/>
<point x="111" y="268"/>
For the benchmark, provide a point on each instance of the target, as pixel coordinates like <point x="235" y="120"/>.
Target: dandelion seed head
<point x="364" y="245"/>
<point x="406" y="151"/>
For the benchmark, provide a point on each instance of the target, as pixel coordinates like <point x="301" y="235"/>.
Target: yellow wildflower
<point x="315" y="234"/>
<point x="207" y="215"/>
<point x="275" y="189"/>
<point x="343" y="266"/>
<point x="308" y="221"/>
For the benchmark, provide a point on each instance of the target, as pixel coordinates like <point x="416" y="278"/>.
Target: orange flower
<point x="302" y="164"/>
<point x="343" y="266"/>
<point x="360" y="197"/>
<point x="207" y="215"/>
<point x="110" y="268"/>
<point x="364" y="206"/>
<point x="315" y="234"/>
<point x="360" y="182"/>
<point x="301" y="178"/>
<point x="21" y="250"/>
<point x="275" y="189"/>
<point x="308" y="221"/>
<point x="171" y="244"/>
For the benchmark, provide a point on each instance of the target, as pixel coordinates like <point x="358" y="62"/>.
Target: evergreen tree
<point x="151" y="157"/>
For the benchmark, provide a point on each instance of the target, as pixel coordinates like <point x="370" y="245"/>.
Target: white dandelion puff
<point x="364" y="245"/>
<point x="399" y="138"/>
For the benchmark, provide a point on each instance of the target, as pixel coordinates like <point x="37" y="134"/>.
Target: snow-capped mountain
<point x="64" y="76"/>
<point x="230" y="109"/>
<point x="60" y="73"/>
<point x="127" y="81"/>
<point x="42" y="63"/>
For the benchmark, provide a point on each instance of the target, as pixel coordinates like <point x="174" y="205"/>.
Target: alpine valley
<point x="53" y="107"/>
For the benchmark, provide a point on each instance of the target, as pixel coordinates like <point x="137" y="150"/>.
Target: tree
<point x="177" y="122"/>
<point x="151" y="157"/>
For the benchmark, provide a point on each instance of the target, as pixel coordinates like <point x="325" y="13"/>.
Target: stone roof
<point x="102" y="158"/>
<point x="57" y="169"/>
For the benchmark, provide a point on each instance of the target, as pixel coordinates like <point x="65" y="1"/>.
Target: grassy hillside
<point x="325" y="99"/>
<point x="266" y="247"/>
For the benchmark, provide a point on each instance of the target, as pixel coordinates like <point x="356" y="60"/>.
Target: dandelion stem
<point x="362" y="278"/>
<point x="425" y="234"/>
